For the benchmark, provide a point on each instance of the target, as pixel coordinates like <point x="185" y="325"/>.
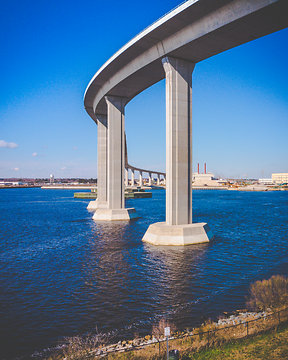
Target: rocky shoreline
<point x="239" y="317"/>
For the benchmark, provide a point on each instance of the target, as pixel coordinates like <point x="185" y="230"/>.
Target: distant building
<point x="204" y="180"/>
<point x="51" y="179"/>
<point x="266" y="181"/>
<point x="280" y="178"/>
<point x="11" y="183"/>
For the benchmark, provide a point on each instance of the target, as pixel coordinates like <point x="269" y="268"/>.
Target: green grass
<point x="272" y="345"/>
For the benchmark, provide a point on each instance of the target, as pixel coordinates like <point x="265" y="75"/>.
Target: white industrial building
<point x="280" y="178"/>
<point x="205" y="180"/>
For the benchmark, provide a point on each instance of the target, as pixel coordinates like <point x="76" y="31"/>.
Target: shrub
<point x="79" y="347"/>
<point x="268" y="294"/>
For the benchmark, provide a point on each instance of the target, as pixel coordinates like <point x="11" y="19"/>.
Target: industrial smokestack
<point x="198" y="168"/>
<point x="204" y="168"/>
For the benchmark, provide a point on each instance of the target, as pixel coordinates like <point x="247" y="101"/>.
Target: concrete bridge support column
<point x="178" y="228"/>
<point x="126" y="177"/>
<point x="132" y="178"/>
<point x="158" y="180"/>
<point x="140" y="179"/>
<point x="116" y="161"/>
<point x="150" y="179"/>
<point x="101" y="201"/>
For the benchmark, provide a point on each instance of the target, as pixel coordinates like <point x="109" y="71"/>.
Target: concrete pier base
<point x="178" y="235"/>
<point x="96" y="204"/>
<point x="115" y="214"/>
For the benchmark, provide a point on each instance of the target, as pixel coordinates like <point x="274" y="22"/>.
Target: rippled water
<point x="63" y="274"/>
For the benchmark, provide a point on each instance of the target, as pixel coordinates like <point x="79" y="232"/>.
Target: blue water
<point x="62" y="274"/>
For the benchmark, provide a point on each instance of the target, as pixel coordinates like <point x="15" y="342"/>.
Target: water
<point x="62" y="274"/>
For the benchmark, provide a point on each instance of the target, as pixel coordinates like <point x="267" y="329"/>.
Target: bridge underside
<point x="204" y="29"/>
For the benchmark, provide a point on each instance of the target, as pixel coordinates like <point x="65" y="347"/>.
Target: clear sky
<point x="50" y="49"/>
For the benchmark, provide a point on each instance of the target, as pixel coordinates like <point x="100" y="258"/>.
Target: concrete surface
<point x="194" y="31"/>
<point x="116" y="147"/>
<point x="114" y="214"/>
<point x="96" y="204"/>
<point x="178" y="141"/>
<point x="177" y="235"/>
<point x="102" y="138"/>
<point x="114" y="207"/>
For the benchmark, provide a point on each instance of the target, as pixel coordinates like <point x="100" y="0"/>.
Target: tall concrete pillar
<point x="126" y="177"/>
<point x="132" y="177"/>
<point x="115" y="164"/>
<point x="158" y="179"/>
<point x="178" y="228"/>
<point x="150" y="179"/>
<point x="101" y="201"/>
<point x="178" y="141"/>
<point x="116" y="147"/>
<point x="140" y="179"/>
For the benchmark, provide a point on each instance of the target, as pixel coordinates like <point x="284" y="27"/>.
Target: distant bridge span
<point x="141" y="171"/>
<point x="169" y="48"/>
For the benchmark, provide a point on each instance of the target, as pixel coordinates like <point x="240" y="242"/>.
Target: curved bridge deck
<point x="194" y="31"/>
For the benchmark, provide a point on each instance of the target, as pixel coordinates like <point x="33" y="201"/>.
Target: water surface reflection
<point x="63" y="274"/>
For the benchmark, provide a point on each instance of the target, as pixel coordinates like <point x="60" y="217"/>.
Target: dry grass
<point x="268" y="346"/>
<point x="208" y="336"/>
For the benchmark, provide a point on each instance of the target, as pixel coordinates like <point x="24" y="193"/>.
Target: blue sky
<point x="51" y="49"/>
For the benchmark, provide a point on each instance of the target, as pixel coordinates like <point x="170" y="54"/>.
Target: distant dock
<point x="129" y="194"/>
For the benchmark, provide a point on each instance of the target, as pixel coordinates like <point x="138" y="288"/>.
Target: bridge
<point x="134" y="169"/>
<point x="170" y="48"/>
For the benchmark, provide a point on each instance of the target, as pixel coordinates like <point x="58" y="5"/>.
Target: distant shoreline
<point x="68" y="187"/>
<point x="90" y="187"/>
<point x="20" y="186"/>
